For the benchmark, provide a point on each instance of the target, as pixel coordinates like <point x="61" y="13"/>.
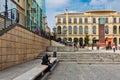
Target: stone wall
<point x="54" y="43"/>
<point x="19" y="45"/>
<point x="61" y="49"/>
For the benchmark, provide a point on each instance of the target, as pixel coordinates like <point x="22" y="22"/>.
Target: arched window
<point x="69" y="20"/>
<point x="70" y="39"/>
<point x="75" y="20"/>
<point x="80" y="20"/>
<point x="94" y="20"/>
<point x="106" y="20"/>
<point x="94" y="41"/>
<point x="64" y="29"/>
<point x="94" y="29"/>
<point x="115" y="40"/>
<point x="114" y="29"/>
<point x="75" y="29"/>
<point x="64" y="20"/>
<point x="59" y="29"/>
<point x="119" y="40"/>
<point x="80" y="30"/>
<point x="119" y="20"/>
<point x="59" y="20"/>
<point x="70" y="30"/>
<point x="75" y="40"/>
<point x="114" y="20"/>
<point x="81" y="41"/>
<point x="106" y="30"/>
<point x="119" y="29"/>
<point x="59" y="39"/>
<point x="64" y="39"/>
<point x="86" y="20"/>
<point x="86" y="30"/>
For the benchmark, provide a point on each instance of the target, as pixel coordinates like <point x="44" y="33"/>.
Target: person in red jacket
<point x="37" y="31"/>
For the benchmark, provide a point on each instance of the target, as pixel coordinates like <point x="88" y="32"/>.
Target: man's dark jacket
<point x="45" y="60"/>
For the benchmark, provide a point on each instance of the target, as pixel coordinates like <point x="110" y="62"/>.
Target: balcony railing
<point x="14" y="16"/>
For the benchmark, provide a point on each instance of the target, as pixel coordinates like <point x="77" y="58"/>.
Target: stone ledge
<point x="35" y="72"/>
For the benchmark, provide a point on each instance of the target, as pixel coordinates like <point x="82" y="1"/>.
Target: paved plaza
<point x="15" y="71"/>
<point x="69" y="70"/>
<point x="74" y="71"/>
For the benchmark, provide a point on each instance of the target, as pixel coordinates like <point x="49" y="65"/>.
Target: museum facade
<point x="75" y="26"/>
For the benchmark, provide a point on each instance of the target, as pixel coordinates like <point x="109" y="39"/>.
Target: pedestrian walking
<point x="113" y="48"/>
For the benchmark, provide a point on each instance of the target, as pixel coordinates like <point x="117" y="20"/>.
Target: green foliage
<point x="86" y="40"/>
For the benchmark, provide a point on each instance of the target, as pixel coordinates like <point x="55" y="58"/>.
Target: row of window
<point x="80" y="29"/>
<point x="82" y="39"/>
<point x="94" y="20"/>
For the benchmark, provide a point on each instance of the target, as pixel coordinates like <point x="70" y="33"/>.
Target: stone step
<point x="70" y="60"/>
<point x="83" y="58"/>
<point x="104" y="55"/>
<point x="89" y="57"/>
<point x="98" y="63"/>
<point x="95" y="60"/>
<point x="89" y="61"/>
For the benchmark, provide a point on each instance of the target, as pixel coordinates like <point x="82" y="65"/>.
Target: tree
<point x="86" y="40"/>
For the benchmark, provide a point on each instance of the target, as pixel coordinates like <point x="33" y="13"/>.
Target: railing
<point x="15" y="16"/>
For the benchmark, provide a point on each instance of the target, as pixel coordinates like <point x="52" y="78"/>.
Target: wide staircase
<point x="89" y="58"/>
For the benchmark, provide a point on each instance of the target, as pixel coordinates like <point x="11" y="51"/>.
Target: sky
<point x="54" y="7"/>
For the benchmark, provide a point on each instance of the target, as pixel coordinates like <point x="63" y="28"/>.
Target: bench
<point x="35" y="72"/>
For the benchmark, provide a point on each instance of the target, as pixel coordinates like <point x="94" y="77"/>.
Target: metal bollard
<point x="54" y="54"/>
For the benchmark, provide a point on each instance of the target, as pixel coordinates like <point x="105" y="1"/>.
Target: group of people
<point x="114" y="47"/>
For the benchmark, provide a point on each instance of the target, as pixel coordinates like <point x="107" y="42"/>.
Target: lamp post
<point x="66" y="24"/>
<point x="6" y="13"/>
<point x="44" y="23"/>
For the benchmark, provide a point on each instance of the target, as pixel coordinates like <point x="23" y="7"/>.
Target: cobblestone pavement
<point x="74" y="71"/>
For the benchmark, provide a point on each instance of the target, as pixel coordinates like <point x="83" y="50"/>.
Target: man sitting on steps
<point x="46" y="61"/>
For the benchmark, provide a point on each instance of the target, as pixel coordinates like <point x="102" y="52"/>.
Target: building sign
<point x="101" y="30"/>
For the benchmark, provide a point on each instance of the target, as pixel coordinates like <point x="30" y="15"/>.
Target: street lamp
<point x="6" y="13"/>
<point x="67" y="24"/>
<point x="44" y="22"/>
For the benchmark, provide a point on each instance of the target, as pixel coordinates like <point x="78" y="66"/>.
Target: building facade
<point x="20" y="11"/>
<point x="16" y="12"/>
<point x="10" y="5"/>
<point x="29" y="13"/>
<point x="41" y="3"/>
<point x="75" y="26"/>
<point x="20" y="5"/>
<point x="34" y="15"/>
